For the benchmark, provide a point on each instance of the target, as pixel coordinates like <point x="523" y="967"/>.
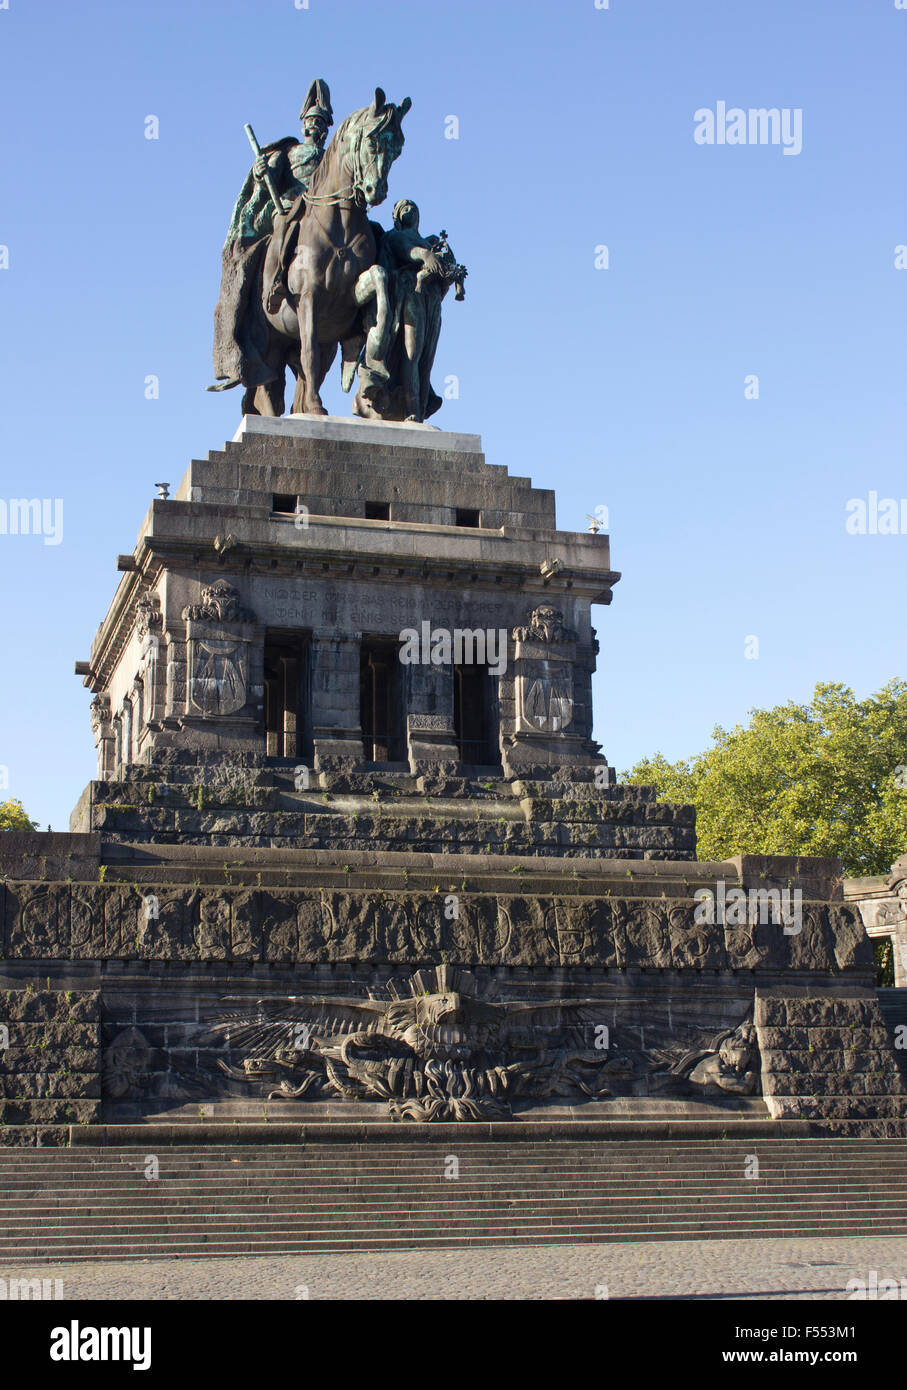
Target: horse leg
<point x="326" y="356"/>
<point x="307" y="396"/>
<point x="264" y="400"/>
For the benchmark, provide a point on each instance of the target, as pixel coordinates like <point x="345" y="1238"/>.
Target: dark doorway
<point x="288" y="704"/>
<point x="381" y="702"/>
<point x="883" y="947"/>
<point x="475" y="716"/>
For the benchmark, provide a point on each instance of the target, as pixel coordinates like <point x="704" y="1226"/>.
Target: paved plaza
<point x="701" y="1270"/>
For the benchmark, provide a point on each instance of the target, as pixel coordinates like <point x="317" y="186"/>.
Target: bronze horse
<point x="333" y="272"/>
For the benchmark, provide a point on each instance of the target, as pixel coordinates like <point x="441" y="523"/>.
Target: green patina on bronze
<point x="305" y="272"/>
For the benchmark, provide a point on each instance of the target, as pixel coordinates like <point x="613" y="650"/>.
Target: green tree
<point x="827" y="778"/>
<point x="13" y="817"/>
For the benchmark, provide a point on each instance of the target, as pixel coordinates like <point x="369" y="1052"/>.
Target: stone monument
<point x="352" y="850"/>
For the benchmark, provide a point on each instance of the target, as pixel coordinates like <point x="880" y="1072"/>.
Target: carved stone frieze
<point x="438" y="1046"/>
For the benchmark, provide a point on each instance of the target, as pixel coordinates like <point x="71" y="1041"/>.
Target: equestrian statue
<point x="306" y="271"/>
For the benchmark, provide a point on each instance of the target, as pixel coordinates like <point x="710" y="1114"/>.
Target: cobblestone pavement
<point x="702" y="1270"/>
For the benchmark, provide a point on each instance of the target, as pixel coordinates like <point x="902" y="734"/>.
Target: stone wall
<point x="101" y="921"/>
<point x="827" y="1055"/>
<point x="50" y="1067"/>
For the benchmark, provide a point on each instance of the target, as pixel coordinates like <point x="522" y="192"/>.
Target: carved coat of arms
<point x="218" y="657"/>
<point x="545" y="652"/>
<point x="548" y="699"/>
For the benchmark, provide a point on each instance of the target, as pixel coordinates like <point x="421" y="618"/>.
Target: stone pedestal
<point x="455" y="907"/>
<point x="274" y="540"/>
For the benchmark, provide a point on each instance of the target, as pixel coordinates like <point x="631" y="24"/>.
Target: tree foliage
<point x="827" y="778"/>
<point x="13" y="817"/>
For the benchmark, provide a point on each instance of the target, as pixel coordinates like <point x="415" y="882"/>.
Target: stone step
<point x="83" y="1203"/>
<point x="55" y="1186"/>
<point x="165" y="1191"/>
<point x="334" y="1170"/>
<point x="460" y="1232"/>
<point x="86" y="1217"/>
<point x="313" y="1167"/>
<point x="275" y="1244"/>
<point x="521" y="1155"/>
<point x="476" y="1215"/>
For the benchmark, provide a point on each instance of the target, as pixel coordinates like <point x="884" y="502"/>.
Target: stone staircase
<point x="389" y="811"/>
<point x="97" y="1203"/>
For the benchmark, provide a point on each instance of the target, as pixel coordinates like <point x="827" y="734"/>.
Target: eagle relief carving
<point x="431" y="1048"/>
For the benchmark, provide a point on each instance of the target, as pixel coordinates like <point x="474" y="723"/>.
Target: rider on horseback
<point x="255" y="225"/>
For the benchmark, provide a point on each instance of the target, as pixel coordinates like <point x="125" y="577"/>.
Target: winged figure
<point x="433" y="1048"/>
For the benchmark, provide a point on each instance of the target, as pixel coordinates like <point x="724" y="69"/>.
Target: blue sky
<point x="622" y="387"/>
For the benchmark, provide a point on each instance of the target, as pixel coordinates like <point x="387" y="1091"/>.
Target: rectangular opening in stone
<point x="475" y="716"/>
<point x="468" y="516"/>
<point x="381" y="702"/>
<point x="883" y="949"/>
<point x="377" y="511"/>
<point x="287" y="667"/>
<point x="283" y="502"/>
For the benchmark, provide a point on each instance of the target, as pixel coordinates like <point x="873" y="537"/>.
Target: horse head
<point x="373" y="139"/>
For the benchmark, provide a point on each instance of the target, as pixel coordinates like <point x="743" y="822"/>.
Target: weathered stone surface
<point x="244" y="871"/>
<point x="51" y="1112"/>
<point x="28" y="1136"/>
<point x="50" y="1070"/>
<point x="108" y="921"/>
<point x="827" y="1054"/>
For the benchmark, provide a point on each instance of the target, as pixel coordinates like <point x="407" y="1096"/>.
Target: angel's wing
<point x="261" y="1028"/>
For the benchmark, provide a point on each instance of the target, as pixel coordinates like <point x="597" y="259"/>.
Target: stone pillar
<point x="150" y="678"/>
<point x="126" y="744"/>
<point x="221" y="707"/>
<point x="430" y="737"/>
<point x="336" y="727"/>
<point x="105" y="741"/>
<point x="139" y="730"/>
<point x="540" y="697"/>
